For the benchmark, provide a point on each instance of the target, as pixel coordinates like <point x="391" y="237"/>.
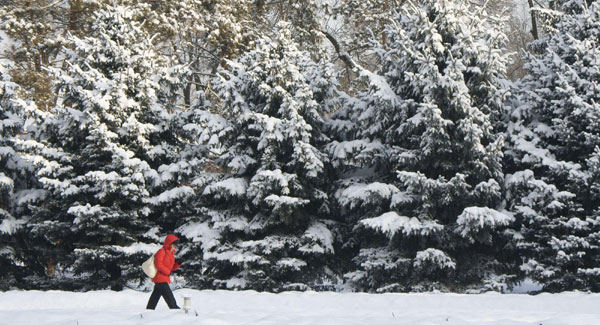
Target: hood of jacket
<point x="169" y="240"/>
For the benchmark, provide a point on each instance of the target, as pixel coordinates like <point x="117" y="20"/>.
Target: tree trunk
<point x="534" y="29"/>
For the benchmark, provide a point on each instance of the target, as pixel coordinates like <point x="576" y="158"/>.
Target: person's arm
<point x="176" y="266"/>
<point x="158" y="262"/>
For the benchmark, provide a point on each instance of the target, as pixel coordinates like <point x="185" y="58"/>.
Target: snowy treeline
<point x="298" y="145"/>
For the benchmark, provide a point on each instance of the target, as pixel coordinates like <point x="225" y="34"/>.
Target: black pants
<point x="162" y="289"/>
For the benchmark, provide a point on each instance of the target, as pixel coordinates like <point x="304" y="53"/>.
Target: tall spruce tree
<point x="14" y="181"/>
<point x="552" y="159"/>
<point x="108" y="135"/>
<point x="21" y="191"/>
<point x="426" y="154"/>
<point x="264" y="224"/>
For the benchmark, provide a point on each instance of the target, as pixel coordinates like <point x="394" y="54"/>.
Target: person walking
<point x="165" y="263"/>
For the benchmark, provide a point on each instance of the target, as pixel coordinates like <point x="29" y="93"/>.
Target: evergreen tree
<point x="13" y="178"/>
<point x="264" y="223"/>
<point x="108" y="134"/>
<point x="20" y="189"/>
<point x="552" y="158"/>
<point x="427" y="153"/>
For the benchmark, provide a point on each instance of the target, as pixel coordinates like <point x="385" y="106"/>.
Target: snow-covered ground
<point x="249" y="307"/>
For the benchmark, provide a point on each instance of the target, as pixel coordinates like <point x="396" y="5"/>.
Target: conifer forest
<point x="363" y="145"/>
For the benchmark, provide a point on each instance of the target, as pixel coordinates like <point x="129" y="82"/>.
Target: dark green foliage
<point x="262" y="226"/>
<point x="223" y="122"/>
<point x="553" y="153"/>
<point x="429" y="154"/>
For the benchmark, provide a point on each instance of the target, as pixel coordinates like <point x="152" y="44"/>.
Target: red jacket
<point x="164" y="260"/>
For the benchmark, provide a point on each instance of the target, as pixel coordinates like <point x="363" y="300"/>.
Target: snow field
<point x="306" y="308"/>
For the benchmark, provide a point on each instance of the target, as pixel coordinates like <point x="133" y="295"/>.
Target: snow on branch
<point x="235" y="257"/>
<point x="171" y="195"/>
<point x="475" y="219"/>
<point x="360" y="194"/>
<point x="291" y="263"/>
<point x="433" y="258"/>
<point x="10" y="225"/>
<point x="201" y="232"/>
<point x="136" y="248"/>
<point x="320" y="237"/>
<point x="231" y="187"/>
<point x="280" y="201"/>
<point x="6" y="183"/>
<point x="391" y="223"/>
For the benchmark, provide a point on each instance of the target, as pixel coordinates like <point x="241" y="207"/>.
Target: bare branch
<point x="48" y="6"/>
<point x="342" y="55"/>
